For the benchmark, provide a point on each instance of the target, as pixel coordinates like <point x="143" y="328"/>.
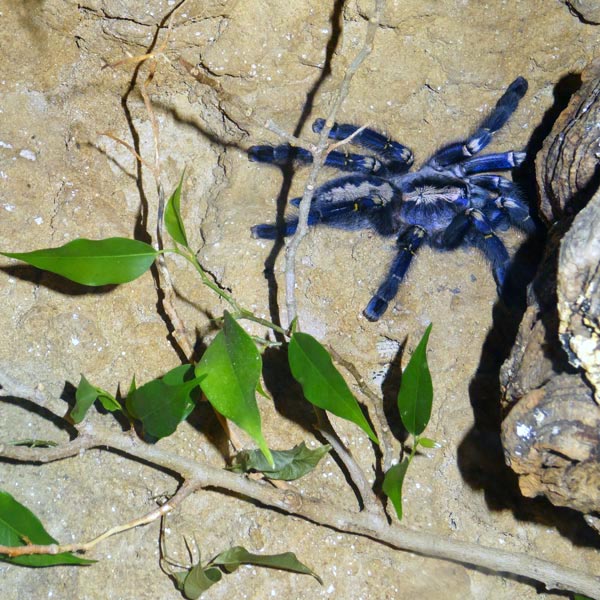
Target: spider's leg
<point x="279" y="155"/>
<point x="502" y="161"/>
<point x="341" y="214"/>
<point x="492" y="246"/>
<point x="409" y="242"/>
<point x="494" y="183"/>
<point x="356" y="163"/>
<point x="507" y="204"/>
<point x="517" y="212"/>
<point x="398" y="156"/>
<point x="270" y="231"/>
<point x="456" y="231"/>
<point x="505" y="107"/>
<point x="284" y="154"/>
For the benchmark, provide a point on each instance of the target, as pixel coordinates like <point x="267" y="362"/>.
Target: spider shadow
<point x="480" y="454"/>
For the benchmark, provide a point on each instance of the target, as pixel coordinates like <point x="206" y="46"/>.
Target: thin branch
<point x="376" y="404"/>
<point x="320" y="154"/>
<point x="357" y="475"/>
<point x="292" y="140"/>
<point x="129" y="147"/>
<point x="182" y="493"/>
<point x="179" y="332"/>
<point x="28" y="454"/>
<point x="140" y="58"/>
<point x="319" y="157"/>
<point x="365" y="524"/>
<point x="346" y="140"/>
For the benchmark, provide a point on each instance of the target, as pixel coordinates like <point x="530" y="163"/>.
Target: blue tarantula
<point x="449" y="201"/>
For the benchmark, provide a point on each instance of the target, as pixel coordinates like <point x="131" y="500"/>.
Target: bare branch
<point x="345" y="141"/>
<point x="365" y="524"/>
<point x="179" y="332"/>
<point x="376" y="404"/>
<point x="320" y="154"/>
<point x="357" y="475"/>
<point x="129" y="147"/>
<point x="182" y="493"/>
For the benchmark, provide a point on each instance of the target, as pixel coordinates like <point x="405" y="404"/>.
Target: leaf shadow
<point x="54" y="282"/>
<point x="290" y="404"/>
<point x="389" y="389"/>
<point x="41" y="411"/>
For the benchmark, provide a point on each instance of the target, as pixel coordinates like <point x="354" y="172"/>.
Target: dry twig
<point x="376" y="404"/>
<point x="320" y="154"/>
<point x="365" y="524"/>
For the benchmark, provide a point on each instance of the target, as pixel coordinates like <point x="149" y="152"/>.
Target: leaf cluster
<point x="196" y="580"/>
<point x="228" y="376"/>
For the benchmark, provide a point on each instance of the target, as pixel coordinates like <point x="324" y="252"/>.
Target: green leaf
<point x="427" y="443"/>
<point x="392" y="485"/>
<point x="93" y="262"/>
<point x="322" y="383"/>
<point x="173" y="220"/>
<point x="231" y="368"/>
<point x="33" y="443"/>
<point x="194" y="582"/>
<point x="234" y="557"/>
<point x="163" y="403"/>
<point x="416" y="390"/>
<point x="289" y="464"/>
<point x="261" y="391"/>
<point x="132" y="387"/>
<point x="108" y="401"/>
<point x="86" y="395"/>
<point x="19" y="526"/>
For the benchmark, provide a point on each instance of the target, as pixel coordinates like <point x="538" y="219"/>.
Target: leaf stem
<point x="239" y="311"/>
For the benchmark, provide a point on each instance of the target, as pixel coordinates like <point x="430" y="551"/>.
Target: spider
<point x="451" y="200"/>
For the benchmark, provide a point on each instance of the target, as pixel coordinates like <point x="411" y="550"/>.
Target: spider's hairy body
<point x="429" y="194"/>
<point x="449" y="201"/>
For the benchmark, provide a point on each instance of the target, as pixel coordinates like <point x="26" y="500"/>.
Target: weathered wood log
<point x="567" y="166"/>
<point x="551" y="380"/>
